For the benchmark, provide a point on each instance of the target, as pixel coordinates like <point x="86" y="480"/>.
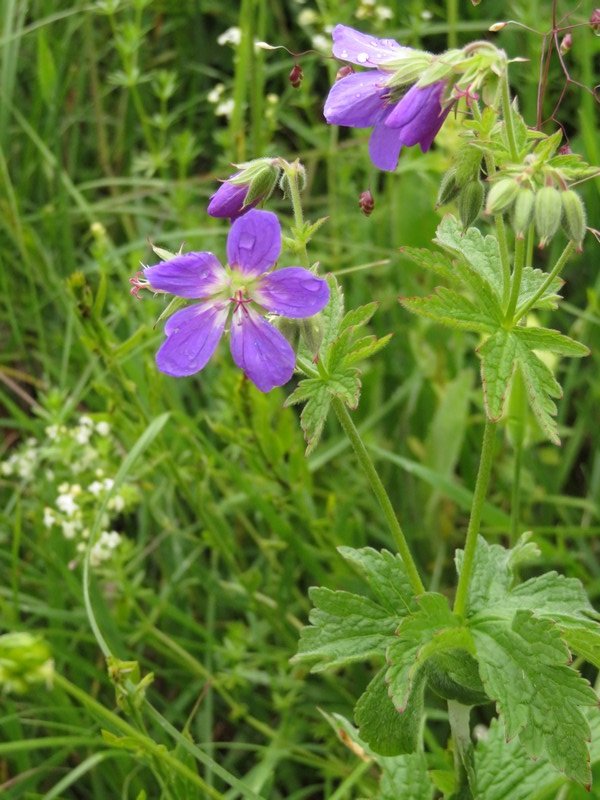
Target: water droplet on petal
<point x="362" y="58"/>
<point x="344" y="54"/>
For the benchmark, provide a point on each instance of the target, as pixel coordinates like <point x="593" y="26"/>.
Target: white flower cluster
<point x="371" y="9"/>
<point x="87" y="451"/>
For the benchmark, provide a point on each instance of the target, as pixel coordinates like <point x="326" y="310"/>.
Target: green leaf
<point x="531" y="281"/>
<point x="46" y="69"/>
<point x="480" y="253"/>
<point x="550" y="340"/>
<point x="432" y="629"/>
<point x="427" y="259"/>
<point x="387" y="731"/>
<point x="358" y="316"/>
<point x="317" y="397"/>
<point x="332" y="314"/>
<point x="497" y="365"/>
<point x="406" y="777"/>
<point x="450" y="308"/>
<point x="347" y="627"/>
<point x="541" y="387"/>
<point x="344" y="628"/>
<point x="366" y="347"/>
<point x="523" y="666"/>
<point x="385" y="576"/>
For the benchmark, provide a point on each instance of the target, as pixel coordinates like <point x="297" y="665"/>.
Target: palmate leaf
<point x="406" y="777"/>
<point x="497" y="355"/>
<point x="452" y="309"/>
<point x="505" y="771"/>
<point x="523" y="665"/>
<point x="341" y="349"/>
<point x="347" y="627"/>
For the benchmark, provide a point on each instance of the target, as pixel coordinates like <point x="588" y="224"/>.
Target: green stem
<point x="452" y="17"/>
<point x="530" y="245"/>
<point x="504" y="255"/>
<point x="380" y="493"/>
<point x="145" y="743"/>
<point x="516" y="279"/>
<point x="292" y="172"/>
<point x="483" y="479"/>
<point x="508" y="118"/>
<point x="523" y="309"/>
<point x="515" y="501"/>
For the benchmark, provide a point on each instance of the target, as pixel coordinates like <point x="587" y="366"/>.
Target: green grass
<point x="230" y="523"/>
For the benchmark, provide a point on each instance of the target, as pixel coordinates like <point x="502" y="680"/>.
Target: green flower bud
<point x="24" y="661"/>
<point x="548" y="213"/>
<point x="574" y="217"/>
<point x="449" y="188"/>
<point x="501" y="196"/>
<point x="523" y="212"/>
<point x="470" y="202"/>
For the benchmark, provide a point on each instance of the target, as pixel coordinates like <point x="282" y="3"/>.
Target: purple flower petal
<point x="254" y="242"/>
<point x="367" y="51"/>
<point x="189" y="275"/>
<point x="357" y="100"/>
<point x="228" y="200"/>
<point x="384" y="147"/>
<point x="292" y="292"/>
<point x="260" y="350"/>
<point x="419" y="115"/>
<point x="192" y="337"/>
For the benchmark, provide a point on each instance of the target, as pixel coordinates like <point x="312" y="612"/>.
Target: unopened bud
<point x="449" y="188"/>
<point x="523" y="211"/>
<point x="574" y="217"/>
<point x="548" y="213"/>
<point x="470" y="202"/>
<point x="497" y="26"/>
<point x="566" y="44"/>
<point x="595" y="21"/>
<point x="366" y="202"/>
<point x="501" y="196"/>
<point x="296" y="75"/>
<point x="343" y="72"/>
<point x="565" y="150"/>
<point x="242" y="191"/>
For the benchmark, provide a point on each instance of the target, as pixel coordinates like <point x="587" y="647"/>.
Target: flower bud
<point x="548" y="213"/>
<point x="366" y="202"/>
<point x="449" y="188"/>
<point x="501" y="196"/>
<point x="343" y="72"/>
<point x="574" y="217"/>
<point x="497" y="26"/>
<point x="245" y="189"/>
<point x="470" y="202"/>
<point x="296" y="75"/>
<point x="523" y="212"/>
<point x="595" y="21"/>
<point x="566" y="44"/>
<point x="24" y="661"/>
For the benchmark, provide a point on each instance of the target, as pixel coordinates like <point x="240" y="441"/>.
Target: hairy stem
<point x="452" y="16"/>
<point x="292" y="173"/>
<point x="504" y="255"/>
<point x="556" y="270"/>
<point x="459" y="718"/>
<point x="483" y="479"/>
<point x="380" y="493"/>
<point x="508" y="118"/>
<point x="516" y="279"/>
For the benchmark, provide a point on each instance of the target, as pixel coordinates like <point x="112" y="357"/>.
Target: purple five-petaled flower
<point x="236" y="294"/>
<point x="363" y="99"/>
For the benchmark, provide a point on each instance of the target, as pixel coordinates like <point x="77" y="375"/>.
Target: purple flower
<point x="364" y="100"/>
<point x="236" y="294"/>
<point x="229" y="199"/>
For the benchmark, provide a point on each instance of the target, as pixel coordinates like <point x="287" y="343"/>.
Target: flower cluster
<point x="236" y="296"/>
<point x="85" y="449"/>
<point x="367" y="100"/>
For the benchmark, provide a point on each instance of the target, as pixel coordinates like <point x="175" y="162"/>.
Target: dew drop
<point x="362" y="58"/>
<point x="344" y="55"/>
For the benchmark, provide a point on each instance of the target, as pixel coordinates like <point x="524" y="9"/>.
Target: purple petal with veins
<point x="189" y="275"/>
<point x="292" y="292"/>
<point x="254" y="242"/>
<point x="260" y="350"/>
<point x="364" y="50"/>
<point x="192" y="337"/>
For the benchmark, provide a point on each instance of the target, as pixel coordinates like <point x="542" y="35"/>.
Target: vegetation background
<point x="116" y="121"/>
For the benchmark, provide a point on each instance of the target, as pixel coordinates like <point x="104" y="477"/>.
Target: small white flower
<point x="99" y="473"/>
<point x="49" y="517"/>
<point x="97" y="555"/>
<point x="225" y="108"/>
<point x="86" y="421"/>
<point x="232" y="36"/>
<point x="66" y="504"/>
<point x="103" y="428"/>
<point x="95" y="488"/>
<point x="322" y="43"/>
<point x="63" y="488"/>
<point x="75" y="490"/>
<point x="307" y="17"/>
<point x="215" y="93"/>
<point x="6" y="467"/>
<point x="52" y="432"/>
<point x="85" y="533"/>
<point x="81" y="546"/>
<point x="70" y="528"/>
<point x="116" y="503"/>
<point x="82" y="434"/>
<point x="384" y="13"/>
<point x="108" y="484"/>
